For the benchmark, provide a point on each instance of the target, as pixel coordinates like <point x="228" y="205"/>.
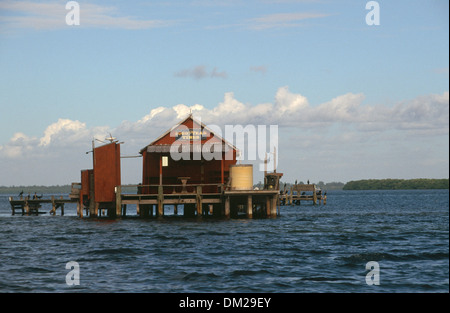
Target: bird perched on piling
<point x="21" y="194"/>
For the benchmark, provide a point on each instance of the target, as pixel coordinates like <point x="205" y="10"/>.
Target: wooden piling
<point x="27" y="206"/>
<point x="268" y="204"/>
<point x="160" y="201"/>
<point x="249" y="206"/>
<point x="96" y="209"/>
<point x="314" y="195"/>
<point x="12" y="206"/>
<point x="53" y="211"/>
<point x="198" y="199"/>
<point x="62" y="206"/>
<point x="273" y="209"/>
<point x="118" y="201"/>
<point x="227" y="206"/>
<point x="93" y="208"/>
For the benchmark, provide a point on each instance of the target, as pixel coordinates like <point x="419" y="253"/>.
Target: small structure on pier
<point x="302" y="192"/>
<point x="98" y="185"/>
<point x="31" y="205"/>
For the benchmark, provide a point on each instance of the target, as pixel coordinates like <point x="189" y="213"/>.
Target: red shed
<point x="98" y="184"/>
<point x="188" y="153"/>
<point x="106" y="172"/>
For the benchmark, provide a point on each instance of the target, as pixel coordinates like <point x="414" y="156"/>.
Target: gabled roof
<point x="190" y="116"/>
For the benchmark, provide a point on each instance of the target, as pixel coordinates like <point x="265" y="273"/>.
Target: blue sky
<point x="352" y="101"/>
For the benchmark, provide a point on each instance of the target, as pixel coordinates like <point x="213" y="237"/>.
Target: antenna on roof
<point x="111" y="138"/>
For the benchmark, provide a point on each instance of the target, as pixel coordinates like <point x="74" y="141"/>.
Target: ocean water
<point x="323" y="248"/>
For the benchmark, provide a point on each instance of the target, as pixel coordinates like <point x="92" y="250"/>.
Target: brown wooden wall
<point x="85" y="184"/>
<point x="106" y="172"/>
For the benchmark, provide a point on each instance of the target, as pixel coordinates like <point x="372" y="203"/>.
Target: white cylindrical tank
<point x="241" y="176"/>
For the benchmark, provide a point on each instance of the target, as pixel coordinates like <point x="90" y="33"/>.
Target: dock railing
<point x="218" y="197"/>
<point x="175" y="194"/>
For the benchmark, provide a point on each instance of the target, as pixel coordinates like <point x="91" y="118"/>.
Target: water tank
<point x="241" y="177"/>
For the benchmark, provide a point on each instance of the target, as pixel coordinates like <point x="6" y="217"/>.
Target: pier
<point x="302" y="192"/>
<point x="187" y="166"/>
<point x="196" y="203"/>
<point x="30" y="205"/>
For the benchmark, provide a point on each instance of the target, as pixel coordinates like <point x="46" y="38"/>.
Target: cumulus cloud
<point x="18" y="145"/>
<point x="63" y="134"/>
<point x="288" y="109"/>
<point x="63" y="130"/>
<point x="343" y="129"/>
<point x="427" y="114"/>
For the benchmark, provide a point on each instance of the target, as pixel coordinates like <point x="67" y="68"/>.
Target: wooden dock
<point x="31" y="206"/>
<point x="195" y="201"/>
<point x="215" y="200"/>
<point x="302" y="192"/>
<point x="224" y="203"/>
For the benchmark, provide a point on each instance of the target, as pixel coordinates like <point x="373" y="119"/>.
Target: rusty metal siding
<point x="106" y="172"/>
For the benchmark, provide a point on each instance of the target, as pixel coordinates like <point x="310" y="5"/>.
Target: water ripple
<point x="307" y="249"/>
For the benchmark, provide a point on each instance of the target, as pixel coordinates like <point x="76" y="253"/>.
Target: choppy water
<point x="307" y="249"/>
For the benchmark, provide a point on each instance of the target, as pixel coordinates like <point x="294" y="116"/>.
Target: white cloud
<point x="424" y="112"/>
<point x="343" y="137"/>
<point x="288" y="104"/>
<point x="52" y="15"/>
<point x="19" y="145"/>
<point x="294" y="110"/>
<point x="427" y="115"/>
<point x="63" y="130"/>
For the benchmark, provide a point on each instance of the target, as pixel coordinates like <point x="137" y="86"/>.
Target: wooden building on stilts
<point x="189" y="167"/>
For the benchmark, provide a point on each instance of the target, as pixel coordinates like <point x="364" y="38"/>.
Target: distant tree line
<point x="395" y="184"/>
<point x="57" y="189"/>
<point x="35" y="189"/>
<point x="320" y="184"/>
<point x="365" y="184"/>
